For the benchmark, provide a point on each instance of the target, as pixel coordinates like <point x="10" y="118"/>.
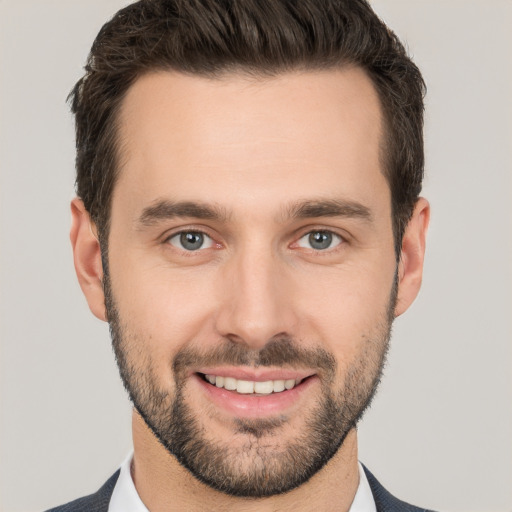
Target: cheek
<point x="344" y="309"/>
<point x="164" y="309"/>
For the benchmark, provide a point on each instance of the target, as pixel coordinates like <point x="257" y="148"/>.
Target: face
<point x="251" y="270"/>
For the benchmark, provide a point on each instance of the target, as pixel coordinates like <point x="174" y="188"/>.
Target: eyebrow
<point x="329" y="208"/>
<point x="166" y="209"/>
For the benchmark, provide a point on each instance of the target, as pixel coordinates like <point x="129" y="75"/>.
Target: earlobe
<point x="87" y="258"/>
<point x="410" y="268"/>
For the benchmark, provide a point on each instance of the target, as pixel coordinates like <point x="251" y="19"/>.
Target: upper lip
<point x="255" y="374"/>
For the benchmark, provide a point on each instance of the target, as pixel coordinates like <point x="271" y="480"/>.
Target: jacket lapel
<point x="97" y="502"/>
<point x="386" y="502"/>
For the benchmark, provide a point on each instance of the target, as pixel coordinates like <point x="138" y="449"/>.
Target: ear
<point x="87" y="258"/>
<point x="410" y="267"/>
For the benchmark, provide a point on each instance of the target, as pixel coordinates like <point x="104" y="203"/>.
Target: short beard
<point x="254" y="468"/>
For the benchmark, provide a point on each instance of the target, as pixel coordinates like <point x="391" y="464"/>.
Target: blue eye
<point x="191" y="241"/>
<point x="319" y="240"/>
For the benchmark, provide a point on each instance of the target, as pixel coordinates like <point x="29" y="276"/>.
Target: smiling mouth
<point x="249" y="387"/>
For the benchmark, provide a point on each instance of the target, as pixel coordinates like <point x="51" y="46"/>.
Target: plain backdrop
<point x="439" y="432"/>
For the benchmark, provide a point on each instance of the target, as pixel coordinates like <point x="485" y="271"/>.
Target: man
<point x="249" y="223"/>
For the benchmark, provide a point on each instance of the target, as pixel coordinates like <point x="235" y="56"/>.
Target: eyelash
<point x="191" y="231"/>
<point x="341" y="240"/>
<point x="334" y="238"/>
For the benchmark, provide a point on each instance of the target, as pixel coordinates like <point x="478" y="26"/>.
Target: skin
<point x="253" y="148"/>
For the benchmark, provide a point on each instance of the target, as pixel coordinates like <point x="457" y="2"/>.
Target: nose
<point x="255" y="298"/>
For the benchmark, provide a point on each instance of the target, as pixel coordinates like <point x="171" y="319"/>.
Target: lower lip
<point x="255" y="406"/>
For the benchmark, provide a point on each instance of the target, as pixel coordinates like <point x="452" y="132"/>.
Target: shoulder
<point x="385" y="501"/>
<point x="97" y="502"/>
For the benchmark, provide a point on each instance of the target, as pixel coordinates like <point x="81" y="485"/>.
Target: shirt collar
<point x="125" y="496"/>
<point x="363" y="500"/>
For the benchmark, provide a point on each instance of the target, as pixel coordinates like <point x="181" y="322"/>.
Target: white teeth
<point x="265" y="388"/>
<point x="247" y="386"/>
<point x="229" y="383"/>
<point x="289" y="384"/>
<point x="279" y="386"/>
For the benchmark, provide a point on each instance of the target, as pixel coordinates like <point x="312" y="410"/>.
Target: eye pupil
<point x="320" y="239"/>
<point x="191" y="241"/>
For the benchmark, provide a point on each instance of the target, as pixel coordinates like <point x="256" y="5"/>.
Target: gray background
<point x="439" y="433"/>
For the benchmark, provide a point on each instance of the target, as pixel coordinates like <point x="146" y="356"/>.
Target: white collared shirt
<point x="126" y="499"/>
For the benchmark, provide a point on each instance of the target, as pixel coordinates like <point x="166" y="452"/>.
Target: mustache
<point x="281" y="351"/>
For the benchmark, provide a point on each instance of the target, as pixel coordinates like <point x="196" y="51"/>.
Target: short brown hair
<point x="261" y="37"/>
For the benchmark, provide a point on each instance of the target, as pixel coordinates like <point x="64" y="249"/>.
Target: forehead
<point x="301" y="133"/>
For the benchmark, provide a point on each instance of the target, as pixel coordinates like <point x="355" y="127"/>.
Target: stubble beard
<point x="252" y="468"/>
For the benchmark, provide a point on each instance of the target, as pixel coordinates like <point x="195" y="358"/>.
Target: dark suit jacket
<point x="98" y="502"/>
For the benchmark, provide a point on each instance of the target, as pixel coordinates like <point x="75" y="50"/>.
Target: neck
<point x="163" y="484"/>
